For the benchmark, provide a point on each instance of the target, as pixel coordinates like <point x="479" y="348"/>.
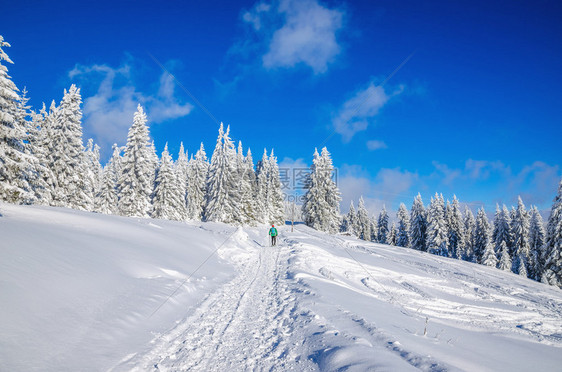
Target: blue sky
<point x="474" y="110"/>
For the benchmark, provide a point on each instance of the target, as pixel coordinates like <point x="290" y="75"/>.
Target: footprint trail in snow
<point x="248" y="324"/>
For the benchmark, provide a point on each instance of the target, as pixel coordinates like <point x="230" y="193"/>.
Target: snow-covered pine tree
<point x="244" y="214"/>
<point x="15" y="165"/>
<point x="181" y="168"/>
<point x="418" y="225"/>
<point x="469" y="227"/>
<point x="321" y="205"/>
<point x="42" y="182"/>
<point x="382" y="227"/>
<point x="222" y="181"/>
<point x="35" y="170"/>
<point x="136" y="181"/>
<point x="363" y="226"/>
<point x="251" y="181"/>
<point x="168" y="202"/>
<point x="537" y="240"/>
<point x="552" y="273"/>
<point x="69" y="164"/>
<point x="92" y="173"/>
<point x="107" y="199"/>
<point x="49" y="143"/>
<point x="275" y="193"/>
<point x="455" y="228"/>
<point x="520" y="235"/>
<point x="198" y="170"/>
<point x="489" y="256"/>
<point x="392" y="235"/>
<point x="262" y="178"/>
<point x="373" y="223"/>
<point x="482" y="235"/>
<point x="505" y="260"/>
<point x="402" y="235"/>
<point x="348" y="224"/>
<point x="495" y="223"/>
<point x="436" y="238"/>
<point x="502" y="229"/>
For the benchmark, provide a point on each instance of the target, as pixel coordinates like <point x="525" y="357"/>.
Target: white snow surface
<point x="90" y="292"/>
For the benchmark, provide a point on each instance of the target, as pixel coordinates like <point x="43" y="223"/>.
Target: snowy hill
<point x="84" y="291"/>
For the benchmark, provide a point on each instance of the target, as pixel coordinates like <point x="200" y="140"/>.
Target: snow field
<point x="77" y="289"/>
<point x="83" y="291"/>
<point x="433" y="313"/>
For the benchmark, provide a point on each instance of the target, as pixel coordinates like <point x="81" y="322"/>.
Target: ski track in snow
<point x="245" y="325"/>
<point x="255" y="323"/>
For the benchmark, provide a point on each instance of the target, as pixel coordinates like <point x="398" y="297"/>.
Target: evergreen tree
<point x="42" y="181"/>
<point x="536" y="244"/>
<point x="522" y="267"/>
<point x="496" y="224"/>
<point x="489" y="256"/>
<point x="392" y="235"/>
<point x="349" y="221"/>
<point x="402" y="238"/>
<point x="107" y="199"/>
<point x="552" y="273"/>
<point x="92" y="173"/>
<point x="469" y="228"/>
<point x="136" y="181"/>
<point x="505" y="260"/>
<point x="436" y="238"/>
<point x="68" y="153"/>
<point x="373" y="227"/>
<point x="418" y="225"/>
<point x="222" y="186"/>
<point x="455" y="228"/>
<point x="363" y="227"/>
<point x="262" y="170"/>
<point x="502" y="228"/>
<point x="246" y="188"/>
<point x="275" y="194"/>
<point x="382" y="227"/>
<point x="47" y="140"/>
<point x="520" y="235"/>
<point x="197" y="175"/>
<point x="321" y="205"/>
<point x="168" y="202"/>
<point x="15" y="164"/>
<point x="252" y="182"/>
<point x="181" y="168"/>
<point x="482" y="235"/>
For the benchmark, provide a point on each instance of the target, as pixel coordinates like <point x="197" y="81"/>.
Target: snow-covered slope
<point x="79" y="291"/>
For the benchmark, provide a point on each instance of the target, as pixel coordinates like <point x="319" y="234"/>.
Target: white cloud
<point x="356" y="113"/>
<point x="164" y="106"/>
<point x="482" y="169"/>
<point x="387" y="187"/>
<point x="255" y="15"/>
<point x="449" y="175"/>
<point x="535" y="183"/>
<point x="108" y="114"/>
<point x="297" y="32"/>
<point x="373" y="145"/>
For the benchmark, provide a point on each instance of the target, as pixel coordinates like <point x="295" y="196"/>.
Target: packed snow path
<point x="245" y="325"/>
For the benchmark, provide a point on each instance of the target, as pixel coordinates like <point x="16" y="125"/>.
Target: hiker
<point x="273" y="234"/>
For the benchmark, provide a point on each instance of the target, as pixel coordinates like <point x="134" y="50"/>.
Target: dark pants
<point x="274" y="240"/>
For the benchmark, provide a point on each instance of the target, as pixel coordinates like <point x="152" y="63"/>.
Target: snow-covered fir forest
<point x="43" y="160"/>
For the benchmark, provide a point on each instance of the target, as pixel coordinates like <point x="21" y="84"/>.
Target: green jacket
<point x="273" y="231"/>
